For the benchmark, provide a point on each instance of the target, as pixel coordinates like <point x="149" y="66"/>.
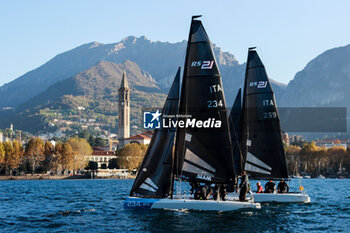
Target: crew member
<point x="259" y="188"/>
<point x="283" y="187"/>
<point x="223" y="192"/>
<point x="219" y="190"/>
<point x="244" y="187"/>
<point x="194" y="186"/>
<point x="270" y="187"/>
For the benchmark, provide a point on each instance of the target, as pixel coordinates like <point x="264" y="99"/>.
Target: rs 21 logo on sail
<point x="205" y="65"/>
<point x="262" y="84"/>
<point x="259" y="84"/>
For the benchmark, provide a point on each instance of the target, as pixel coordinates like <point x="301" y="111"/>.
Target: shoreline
<point x="65" y="177"/>
<point x="60" y="177"/>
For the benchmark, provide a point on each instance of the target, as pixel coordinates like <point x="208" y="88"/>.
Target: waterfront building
<point x="19" y="135"/>
<point x="295" y="138"/>
<point x="285" y="138"/>
<point x="101" y="157"/>
<point x="328" y="143"/>
<point x="2" y="137"/>
<point x="142" y="138"/>
<point x="113" y="143"/>
<point x="120" y="173"/>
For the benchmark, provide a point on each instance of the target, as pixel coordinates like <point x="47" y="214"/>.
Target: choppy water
<point x="96" y="206"/>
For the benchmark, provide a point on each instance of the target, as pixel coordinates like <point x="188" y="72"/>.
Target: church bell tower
<point x="124" y="108"/>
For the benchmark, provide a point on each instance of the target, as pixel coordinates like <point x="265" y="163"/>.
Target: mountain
<point x="159" y="59"/>
<point x="325" y="81"/>
<point x="90" y="94"/>
<point x="101" y="79"/>
<point x="88" y="76"/>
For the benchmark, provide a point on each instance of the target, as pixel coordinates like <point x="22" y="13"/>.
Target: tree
<point x="112" y="164"/>
<point x="130" y="156"/>
<point x="347" y="160"/>
<point x="92" y="165"/>
<point x="34" y="153"/>
<point x="57" y="163"/>
<point x="50" y="161"/>
<point x="337" y="156"/>
<point x="2" y="156"/>
<point x="292" y="158"/>
<point x="91" y="140"/>
<point x="81" y="148"/>
<point x="13" y="153"/>
<point x="66" y="156"/>
<point x="308" y="148"/>
<point x="17" y="153"/>
<point x="84" y="134"/>
<point x="293" y="150"/>
<point x="8" y="149"/>
<point x="100" y="142"/>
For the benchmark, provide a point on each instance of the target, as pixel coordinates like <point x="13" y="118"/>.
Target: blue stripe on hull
<point x="139" y="203"/>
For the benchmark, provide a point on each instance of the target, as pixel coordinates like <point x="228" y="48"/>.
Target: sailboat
<point x="259" y="131"/>
<point x="203" y="151"/>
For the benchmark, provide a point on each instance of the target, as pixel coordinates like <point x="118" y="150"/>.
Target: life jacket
<point x="260" y="189"/>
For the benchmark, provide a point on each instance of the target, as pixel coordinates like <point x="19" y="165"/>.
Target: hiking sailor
<point x="244" y="186"/>
<point x="259" y="188"/>
<point x="270" y="187"/>
<point x="283" y="187"/>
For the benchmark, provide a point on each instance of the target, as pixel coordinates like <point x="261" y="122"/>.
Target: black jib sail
<point x="261" y="144"/>
<point x="203" y="148"/>
<point x="235" y="129"/>
<point x="154" y="178"/>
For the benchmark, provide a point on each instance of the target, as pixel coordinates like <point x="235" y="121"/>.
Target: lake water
<point x="97" y="206"/>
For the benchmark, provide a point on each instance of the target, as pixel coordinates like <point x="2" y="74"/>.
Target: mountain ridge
<point x="152" y="66"/>
<point x="90" y="94"/>
<point x="150" y="56"/>
<point x="325" y="81"/>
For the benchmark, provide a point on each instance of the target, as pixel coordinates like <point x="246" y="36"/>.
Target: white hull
<point x="190" y="204"/>
<point x="277" y="197"/>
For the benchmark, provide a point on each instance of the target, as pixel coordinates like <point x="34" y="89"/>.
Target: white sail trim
<point x="190" y="156"/>
<point x="249" y="142"/>
<point x="193" y="169"/>
<point x="250" y="168"/>
<point x="151" y="183"/>
<point x="254" y="160"/>
<point x="188" y="137"/>
<point x="147" y="187"/>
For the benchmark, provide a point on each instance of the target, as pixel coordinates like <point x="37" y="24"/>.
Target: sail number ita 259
<point x="269" y="115"/>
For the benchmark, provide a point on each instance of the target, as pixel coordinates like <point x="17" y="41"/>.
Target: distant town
<point x="110" y="155"/>
<point x="24" y="156"/>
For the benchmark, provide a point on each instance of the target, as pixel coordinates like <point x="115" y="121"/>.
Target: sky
<point x="287" y="34"/>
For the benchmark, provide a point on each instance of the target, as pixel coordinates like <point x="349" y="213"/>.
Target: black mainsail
<point x="235" y="130"/>
<point x="154" y="178"/>
<point x="204" y="154"/>
<point x="261" y="143"/>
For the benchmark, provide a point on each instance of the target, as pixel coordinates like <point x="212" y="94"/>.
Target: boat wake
<point x="68" y="212"/>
